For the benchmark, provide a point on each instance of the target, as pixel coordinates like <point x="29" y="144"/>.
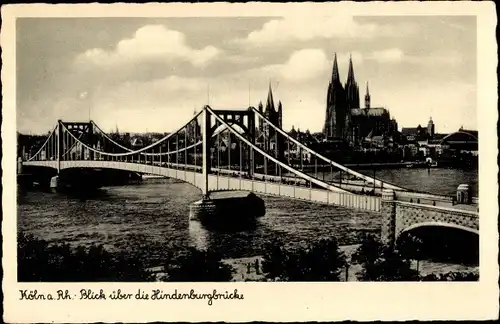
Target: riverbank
<point x="245" y="269"/>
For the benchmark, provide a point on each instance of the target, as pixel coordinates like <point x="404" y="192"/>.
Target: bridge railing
<point x="300" y="192"/>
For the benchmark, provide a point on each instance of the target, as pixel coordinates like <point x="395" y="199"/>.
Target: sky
<point x="151" y="74"/>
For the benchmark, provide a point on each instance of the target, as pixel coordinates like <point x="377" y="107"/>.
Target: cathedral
<point x="345" y="119"/>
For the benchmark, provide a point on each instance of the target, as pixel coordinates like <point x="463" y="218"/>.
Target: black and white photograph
<point x="247" y="148"/>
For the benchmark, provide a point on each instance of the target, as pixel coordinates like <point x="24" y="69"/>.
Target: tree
<point x="369" y="251"/>
<point x="382" y="263"/>
<point x="274" y="259"/>
<point x="198" y="265"/>
<point x="411" y="247"/>
<point x="41" y="261"/>
<point x="322" y="261"/>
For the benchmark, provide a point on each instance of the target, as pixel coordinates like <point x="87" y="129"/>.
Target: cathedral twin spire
<point x="340" y="100"/>
<point x="351" y="86"/>
<point x="350" y="74"/>
<point x="335" y="71"/>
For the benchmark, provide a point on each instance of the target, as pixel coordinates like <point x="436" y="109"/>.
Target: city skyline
<point x="129" y="69"/>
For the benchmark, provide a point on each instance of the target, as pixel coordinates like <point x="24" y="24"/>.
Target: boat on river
<point x="228" y="208"/>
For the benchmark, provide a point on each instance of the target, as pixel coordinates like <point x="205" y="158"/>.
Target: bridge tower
<point x="245" y="119"/>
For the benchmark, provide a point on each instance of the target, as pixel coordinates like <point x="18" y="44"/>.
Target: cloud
<point x="301" y="66"/>
<point x="438" y="58"/>
<point x="396" y="55"/>
<point x="150" y="42"/>
<point x="305" y="64"/>
<point x="305" y="28"/>
<point x="391" y="55"/>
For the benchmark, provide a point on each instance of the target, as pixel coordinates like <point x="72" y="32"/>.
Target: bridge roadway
<point x="224" y="182"/>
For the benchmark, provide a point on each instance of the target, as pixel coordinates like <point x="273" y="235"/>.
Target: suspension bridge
<point x="218" y="150"/>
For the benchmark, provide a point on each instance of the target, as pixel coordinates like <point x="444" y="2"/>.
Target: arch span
<point x="459" y="134"/>
<point x="439" y="224"/>
<point x="441" y="242"/>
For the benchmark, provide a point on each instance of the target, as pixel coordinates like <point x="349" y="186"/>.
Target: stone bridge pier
<point x="401" y="216"/>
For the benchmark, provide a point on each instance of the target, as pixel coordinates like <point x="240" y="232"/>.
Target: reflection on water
<point x="230" y="241"/>
<point x="436" y="180"/>
<point x="150" y="219"/>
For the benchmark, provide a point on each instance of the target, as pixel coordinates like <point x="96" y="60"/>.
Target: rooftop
<point x="369" y="111"/>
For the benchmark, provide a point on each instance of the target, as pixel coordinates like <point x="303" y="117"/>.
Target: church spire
<point x="270" y="100"/>
<point x="367" y="97"/>
<point x="335" y="71"/>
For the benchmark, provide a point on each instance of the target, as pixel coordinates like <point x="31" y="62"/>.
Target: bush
<point x="452" y="276"/>
<point x="40" y="261"/>
<point x="322" y="261"/>
<point x="198" y="265"/>
<point x="369" y="251"/>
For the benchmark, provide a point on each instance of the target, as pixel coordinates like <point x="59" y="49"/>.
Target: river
<point x="150" y="218"/>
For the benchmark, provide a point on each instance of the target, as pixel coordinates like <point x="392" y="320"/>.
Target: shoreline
<point x="425" y="267"/>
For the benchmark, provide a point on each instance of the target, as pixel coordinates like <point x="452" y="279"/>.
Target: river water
<point x="149" y="219"/>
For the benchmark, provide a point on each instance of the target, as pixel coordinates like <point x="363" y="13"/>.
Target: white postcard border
<point x="268" y="301"/>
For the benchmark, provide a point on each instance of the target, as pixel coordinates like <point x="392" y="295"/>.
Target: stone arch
<point x="437" y="224"/>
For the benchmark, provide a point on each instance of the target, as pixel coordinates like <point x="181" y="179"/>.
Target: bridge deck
<point x="266" y="185"/>
<point x="223" y="182"/>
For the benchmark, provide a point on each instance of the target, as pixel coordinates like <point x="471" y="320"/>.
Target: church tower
<point x="271" y="114"/>
<point x="335" y="105"/>
<point x="351" y="88"/>
<point x="367" y="97"/>
<point x="430" y="128"/>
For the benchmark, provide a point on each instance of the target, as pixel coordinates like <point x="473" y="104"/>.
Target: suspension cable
<point x="301" y="174"/>
<point x="159" y="141"/>
<point x="340" y="166"/>
<point x="132" y="152"/>
<point x="41" y="147"/>
<point x="152" y="145"/>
